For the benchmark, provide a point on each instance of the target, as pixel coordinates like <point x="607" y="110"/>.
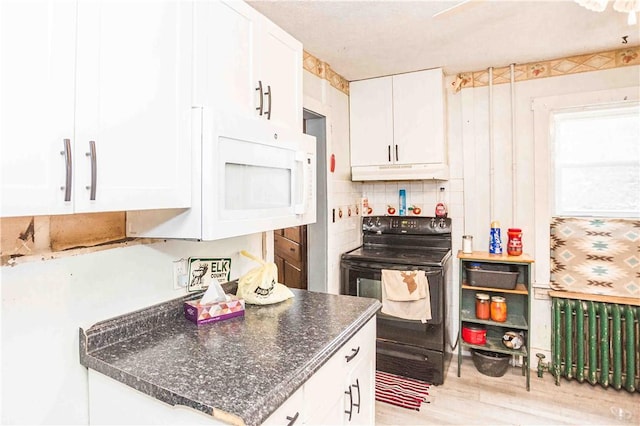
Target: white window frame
<point x="543" y="109"/>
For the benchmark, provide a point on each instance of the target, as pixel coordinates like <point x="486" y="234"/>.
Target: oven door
<point x="363" y="279"/>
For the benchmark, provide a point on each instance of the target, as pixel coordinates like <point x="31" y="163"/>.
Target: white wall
<point x="468" y="120"/>
<point x="345" y="233"/>
<point x="45" y="302"/>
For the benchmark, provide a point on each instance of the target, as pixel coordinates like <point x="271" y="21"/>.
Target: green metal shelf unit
<point x="518" y="306"/>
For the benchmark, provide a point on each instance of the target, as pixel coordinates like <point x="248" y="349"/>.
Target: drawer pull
<point x="404" y="355"/>
<point x="293" y="419"/>
<point x="353" y="355"/>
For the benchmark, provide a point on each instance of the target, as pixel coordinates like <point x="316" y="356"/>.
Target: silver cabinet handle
<point x="354" y="352"/>
<point x="68" y="167"/>
<point x="350" y="411"/>
<point x="357" y="386"/>
<point x="268" y="93"/>
<point x="389" y="152"/>
<point x="259" y="89"/>
<point x="396" y="152"/>
<point x="94" y="169"/>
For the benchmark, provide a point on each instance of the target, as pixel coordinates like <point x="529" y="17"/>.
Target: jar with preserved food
<point x="482" y="306"/>
<point x="498" y="309"/>
<point x="514" y="243"/>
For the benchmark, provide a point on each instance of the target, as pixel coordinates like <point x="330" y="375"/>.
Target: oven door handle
<point x="404" y="355"/>
<point x="378" y="267"/>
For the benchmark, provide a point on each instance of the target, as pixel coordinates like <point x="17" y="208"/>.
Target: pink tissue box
<point x="214" y="312"/>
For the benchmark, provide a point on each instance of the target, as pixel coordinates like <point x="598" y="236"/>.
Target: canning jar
<point x="498" y="309"/>
<point x="482" y="306"/>
<point x="514" y="244"/>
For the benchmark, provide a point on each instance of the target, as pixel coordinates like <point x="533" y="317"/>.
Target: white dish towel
<point x="405" y="294"/>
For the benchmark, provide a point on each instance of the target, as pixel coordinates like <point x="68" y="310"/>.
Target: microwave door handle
<point x="299" y="208"/>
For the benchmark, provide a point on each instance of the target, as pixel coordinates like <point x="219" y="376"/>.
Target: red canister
<point x="474" y="335"/>
<point x="514" y="244"/>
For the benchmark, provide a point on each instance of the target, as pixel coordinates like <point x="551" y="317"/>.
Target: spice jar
<point x="498" y="309"/>
<point x="482" y="306"/>
<point x="514" y="244"/>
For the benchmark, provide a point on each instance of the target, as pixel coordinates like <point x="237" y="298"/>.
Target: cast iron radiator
<point x="596" y="342"/>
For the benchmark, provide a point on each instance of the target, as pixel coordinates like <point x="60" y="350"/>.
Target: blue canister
<point x="495" y="241"/>
<point x="403" y="203"/>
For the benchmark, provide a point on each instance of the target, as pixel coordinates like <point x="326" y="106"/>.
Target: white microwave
<point x="248" y="176"/>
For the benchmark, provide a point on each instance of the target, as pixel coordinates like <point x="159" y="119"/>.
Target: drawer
<point x="360" y="345"/>
<point x="290" y="412"/>
<point x="288" y="249"/>
<point x="411" y="361"/>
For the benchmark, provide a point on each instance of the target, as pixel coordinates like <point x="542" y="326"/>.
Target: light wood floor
<point x="476" y="399"/>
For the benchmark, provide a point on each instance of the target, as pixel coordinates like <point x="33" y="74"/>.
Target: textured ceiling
<point x="363" y="39"/>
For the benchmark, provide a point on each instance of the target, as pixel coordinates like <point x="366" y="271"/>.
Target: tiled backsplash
<point x="421" y="198"/>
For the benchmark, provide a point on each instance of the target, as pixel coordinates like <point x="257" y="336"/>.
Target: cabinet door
<point x="418" y="117"/>
<point x="371" y="122"/>
<point x="280" y="59"/>
<point x="328" y="386"/>
<point x="133" y="100"/>
<point x="359" y="357"/>
<point x="38" y="57"/>
<point x="225" y="69"/>
<point x="360" y="399"/>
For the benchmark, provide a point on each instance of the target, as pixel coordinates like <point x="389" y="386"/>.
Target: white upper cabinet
<point x="371" y="121"/>
<point x="246" y="63"/>
<point x="38" y="76"/>
<point x="280" y="59"/>
<point x="397" y="127"/>
<point x="133" y="98"/>
<point x="111" y="83"/>
<point x="418" y="117"/>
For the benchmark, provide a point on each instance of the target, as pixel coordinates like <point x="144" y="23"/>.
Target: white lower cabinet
<point x="341" y="392"/>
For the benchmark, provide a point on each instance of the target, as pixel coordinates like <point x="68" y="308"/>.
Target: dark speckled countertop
<point x="267" y="354"/>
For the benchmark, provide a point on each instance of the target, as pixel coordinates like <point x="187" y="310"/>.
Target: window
<point x="596" y="161"/>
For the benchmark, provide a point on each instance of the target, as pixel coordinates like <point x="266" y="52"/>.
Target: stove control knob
<point x="433" y="223"/>
<point x="442" y="224"/>
<point x="369" y="221"/>
<point x="378" y="223"/>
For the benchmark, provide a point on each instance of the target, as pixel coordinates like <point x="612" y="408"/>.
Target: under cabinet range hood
<point x="400" y="172"/>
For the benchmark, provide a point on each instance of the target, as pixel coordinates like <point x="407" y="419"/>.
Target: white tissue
<point x="214" y="294"/>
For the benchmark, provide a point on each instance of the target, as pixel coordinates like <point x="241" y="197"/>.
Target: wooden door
<point x="290" y="253"/>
